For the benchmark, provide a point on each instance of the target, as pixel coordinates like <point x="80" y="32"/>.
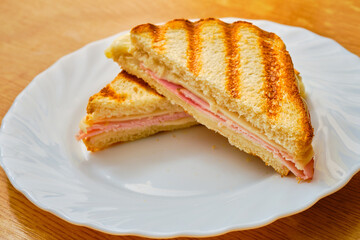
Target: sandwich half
<point x="128" y="109"/>
<point x="235" y="79"/>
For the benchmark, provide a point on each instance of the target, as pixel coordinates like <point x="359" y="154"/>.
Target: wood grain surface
<point x="34" y="34"/>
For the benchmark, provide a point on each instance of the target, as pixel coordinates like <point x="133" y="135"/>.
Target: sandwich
<point x="128" y="109"/>
<point x="235" y="79"/>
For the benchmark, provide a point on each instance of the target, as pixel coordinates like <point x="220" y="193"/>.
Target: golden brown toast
<point x="127" y="96"/>
<point x="241" y="70"/>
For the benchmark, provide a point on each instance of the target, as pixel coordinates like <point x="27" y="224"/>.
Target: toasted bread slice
<point x="128" y="109"/>
<point x="243" y="73"/>
<point x="127" y="96"/>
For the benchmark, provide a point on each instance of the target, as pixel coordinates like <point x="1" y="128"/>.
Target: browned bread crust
<point x="126" y="95"/>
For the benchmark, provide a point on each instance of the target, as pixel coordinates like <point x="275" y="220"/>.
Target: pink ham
<point x="203" y="106"/>
<point x="107" y="126"/>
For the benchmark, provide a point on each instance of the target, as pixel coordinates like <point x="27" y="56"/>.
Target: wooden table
<point x="34" y="34"/>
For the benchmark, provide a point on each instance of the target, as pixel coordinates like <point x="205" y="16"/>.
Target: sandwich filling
<point x="204" y="107"/>
<point x="108" y="125"/>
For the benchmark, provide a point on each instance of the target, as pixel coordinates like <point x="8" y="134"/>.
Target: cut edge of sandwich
<point x="125" y="110"/>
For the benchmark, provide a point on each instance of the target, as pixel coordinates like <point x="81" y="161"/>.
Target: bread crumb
<point x="157" y="139"/>
<point x="248" y="159"/>
<point x="213" y="147"/>
<point x="298" y="179"/>
<point x="173" y="135"/>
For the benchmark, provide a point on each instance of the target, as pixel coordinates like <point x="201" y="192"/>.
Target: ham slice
<point x="106" y="126"/>
<point x="203" y="106"/>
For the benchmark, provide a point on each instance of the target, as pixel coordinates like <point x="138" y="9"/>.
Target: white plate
<point x="175" y="183"/>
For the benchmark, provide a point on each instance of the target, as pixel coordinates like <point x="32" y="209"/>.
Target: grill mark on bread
<point x="109" y="92"/>
<point x="194" y="46"/>
<point x="157" y="34"/>
<point x="141" y="83"/>
<point x="232" y="58"/>
<point x="193" y="39"/>
<point x="158" y="41"/>
<point x="272" y="84"/>
<point x="294" y="93"/>
<point x="288" y="86"/>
